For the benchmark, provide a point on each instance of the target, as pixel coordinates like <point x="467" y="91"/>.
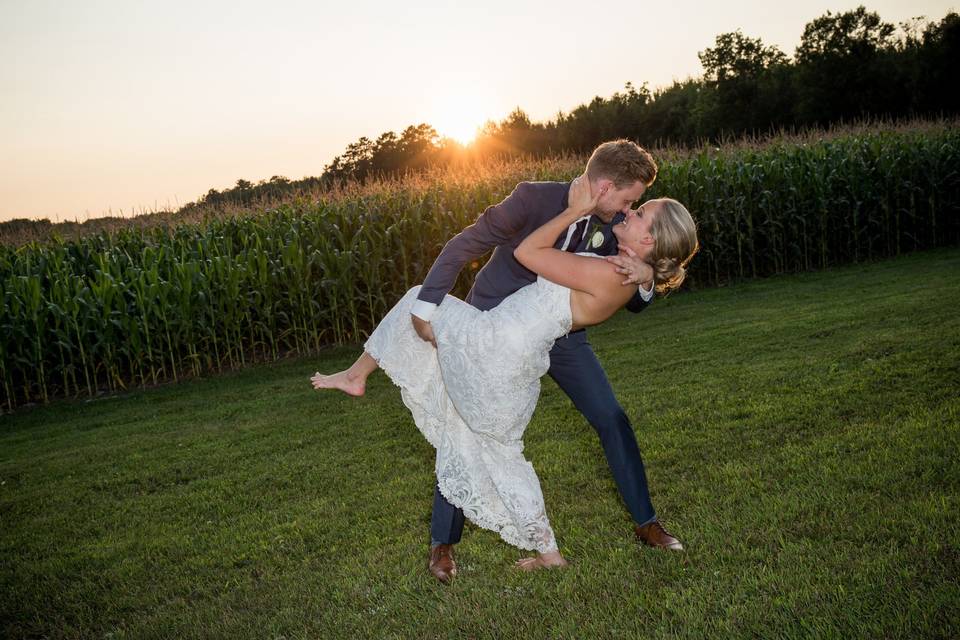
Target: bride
<point x="473" y="395"/>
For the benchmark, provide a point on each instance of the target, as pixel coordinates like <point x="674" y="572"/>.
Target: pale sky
<point x="137" y="105"/>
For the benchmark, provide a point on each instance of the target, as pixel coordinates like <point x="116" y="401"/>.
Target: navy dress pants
<point x="576" y="370"/>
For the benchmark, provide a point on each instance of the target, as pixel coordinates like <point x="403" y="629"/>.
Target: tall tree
<point x="938" y="74"/>
<point x="740" y="91"/>
<point x="841" y="67"/>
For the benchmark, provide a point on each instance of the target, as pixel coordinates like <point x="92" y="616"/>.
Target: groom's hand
<point x="424" y="330"/>
<point x="637" y="271"/>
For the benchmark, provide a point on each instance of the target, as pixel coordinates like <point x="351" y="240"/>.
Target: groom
<point x="620" y="171"/>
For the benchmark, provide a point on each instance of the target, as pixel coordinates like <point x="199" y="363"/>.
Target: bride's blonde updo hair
<point x="675" y="243"/>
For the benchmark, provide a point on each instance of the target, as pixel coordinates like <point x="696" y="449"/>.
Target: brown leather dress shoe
<point x="442" y="565"/>
<point x="655" y="535"/>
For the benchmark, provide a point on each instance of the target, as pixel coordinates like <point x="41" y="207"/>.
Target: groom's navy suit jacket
<point x="503" y="227"/>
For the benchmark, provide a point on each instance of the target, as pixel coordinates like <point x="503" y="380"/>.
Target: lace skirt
<point x="472" y="398"/>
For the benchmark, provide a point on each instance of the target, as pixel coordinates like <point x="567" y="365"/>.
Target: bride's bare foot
<point x="541" y="561"/>
<point x="351" y="385"/>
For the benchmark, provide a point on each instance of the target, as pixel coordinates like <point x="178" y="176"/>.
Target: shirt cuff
<point x="646" y="295"/>
<point x="423" y="310"/>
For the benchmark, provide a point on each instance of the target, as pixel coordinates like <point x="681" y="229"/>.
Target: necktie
<point x="575" y="233"/>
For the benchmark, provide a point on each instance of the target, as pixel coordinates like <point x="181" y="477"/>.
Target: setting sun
<point x="459" y="115"/>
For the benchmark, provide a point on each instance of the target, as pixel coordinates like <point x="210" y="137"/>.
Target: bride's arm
<point x="536" y="252"/>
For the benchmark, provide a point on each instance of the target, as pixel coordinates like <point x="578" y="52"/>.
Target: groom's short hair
<point x="623" y="161"/>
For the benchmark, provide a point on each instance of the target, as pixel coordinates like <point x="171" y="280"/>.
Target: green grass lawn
<point x="801" y="436"/>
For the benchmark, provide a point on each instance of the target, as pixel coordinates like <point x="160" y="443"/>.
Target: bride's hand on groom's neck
<point x="581" y="199"/>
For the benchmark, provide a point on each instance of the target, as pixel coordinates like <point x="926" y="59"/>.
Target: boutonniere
<point x="596" y="236"/>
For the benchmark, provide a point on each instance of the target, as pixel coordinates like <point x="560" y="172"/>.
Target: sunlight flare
<point x="459" y="115"/>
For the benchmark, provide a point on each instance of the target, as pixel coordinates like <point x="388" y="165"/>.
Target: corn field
<point x="139" y="306"/>
<point x="796" y="207"/>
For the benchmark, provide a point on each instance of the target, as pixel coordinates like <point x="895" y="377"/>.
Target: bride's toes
<point x="320" y="381"/>
<point x="542" y="561"/>
<point x="528" y="564"/>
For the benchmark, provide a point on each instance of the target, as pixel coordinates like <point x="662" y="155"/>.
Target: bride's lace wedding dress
<point x="473" y="396"/>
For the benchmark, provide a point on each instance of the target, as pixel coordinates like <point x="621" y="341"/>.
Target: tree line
<point x="848" y="66"/>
